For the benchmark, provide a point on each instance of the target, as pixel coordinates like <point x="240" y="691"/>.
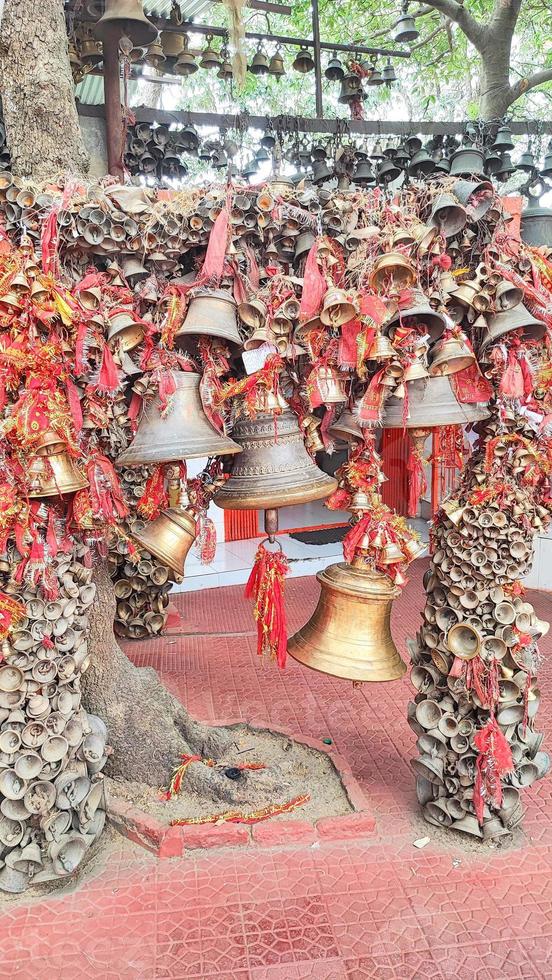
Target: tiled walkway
<point x="374" y="908"/>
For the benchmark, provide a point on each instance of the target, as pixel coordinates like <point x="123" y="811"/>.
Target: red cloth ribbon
<point x="266" y="587"/>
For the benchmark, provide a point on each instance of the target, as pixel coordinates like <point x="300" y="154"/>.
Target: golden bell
<point x="169" y="537"/>
<point x="274" y="469"/>
<point x="416" y="369"/>
<point x="450" y="356"/>
<point x="330" y="386"/>
<point x="91" y="52"/>
<point x="258" y="338"/>
<point x="381" y="348"/>
<point x="183" y="431"/>
<point x="9" y="303"/>
<point x="124" y="332"/>
<point x="466" y="292"/>
<point x="394" y="268"/>
<point x="126" y="17"/>
<point x="349" y="633"/>
<point x="337" y="308"/>
<point x="391" y="554"/>
<point x="54" y="475"/>
<point x="49" y="444"/>
<point x="211" y="313"/>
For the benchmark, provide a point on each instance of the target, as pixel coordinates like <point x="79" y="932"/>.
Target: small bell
<point x="337" y="308"/>
<point x="211" y="313"/>
<point x="259" y="65"/>
<point x="155" y="56"/>
<point x="329" y="386"/>
<point x="210" y="57"/>
<point x="334" y="70"/>
<point x="303" y="62"/>
<point x="449" y="356"/>
<point x="54" y="474"/>
<point x="388" y="74"/>
<point x="185" y="65"/>
<point x="276" y="65"/>
<point x="405" y="29"/>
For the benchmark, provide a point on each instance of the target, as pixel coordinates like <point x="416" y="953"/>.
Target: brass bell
<point x="447" y="215"/>
<point x="253" y="313"/>
<point x="346" y="427"/>
<point x="169" y="537"/>
<point x="349" y="633"/>
<point x="391" y="554"/>
<point x="516" y="318"/>
<point x="54" y="474"/>
<point x="259" y="64"/>
<point x="172" y="43"/>
<point x="49" y="443"/>
<point x="210" y="58"/>
<point x="450" y="356"/>
<point x="274" y="469"/>
<point x="337" y="308"/>
<point x="381" y="348"/>
<point x="303" y="62"/>
<point x="329" y="385"/>
<point x="124" y="332"/>
<point x="431" y="402"/>
<point x="155" y="55"/>
<point x="394" y="268"/>
<point x="507" y="296"/>
<point x="419" y="312"/>
<point x="126" y="17"/>
<point x="351" y="89"/>
<point x="276" y="66"/>
<point x="185" y="63"/>
<point x="211" y="313"/>
<point x="91" y="52"/>
<point x="183" y="431"/>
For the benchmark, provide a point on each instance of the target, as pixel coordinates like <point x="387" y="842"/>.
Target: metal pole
<point x="112" y="105"/>
<point x="317" y="60"/>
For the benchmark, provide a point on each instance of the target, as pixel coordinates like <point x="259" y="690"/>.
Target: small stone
<point x="327" y="741"/>
<point x="421" y="842"/>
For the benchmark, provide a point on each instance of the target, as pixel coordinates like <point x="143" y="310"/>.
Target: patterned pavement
<point x="351" y="910"/>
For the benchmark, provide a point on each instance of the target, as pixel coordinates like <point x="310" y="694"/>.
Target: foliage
<point x="439" y="81"/>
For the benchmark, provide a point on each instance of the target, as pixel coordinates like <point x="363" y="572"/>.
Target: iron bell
<point x="363" y="173"/>
<point x="468" y="161"/>
<point x="350" y="89"/>
<point x="536" y="223"/>
<point x="276" y="65"/>
<point x="210" y="57"/>
<point x="431" y="402"/>
<point x="211" y="313"/>
<point x="526" y="161"/>
<point x="421" y="164"/>
<point x="389" y="74"/>
<point x="126" y="17"/>
<point x="349" y="633"/>
<point x="503" y="140"/>
<point x="274" y="469"/>
<point x="447" y="215"/>
<point x="182" y="431"/>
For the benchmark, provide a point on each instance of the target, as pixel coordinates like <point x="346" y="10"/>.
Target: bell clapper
<point x="271" y="523"/>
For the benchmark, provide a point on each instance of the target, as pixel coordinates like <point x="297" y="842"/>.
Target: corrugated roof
<point x="90" y="90"/>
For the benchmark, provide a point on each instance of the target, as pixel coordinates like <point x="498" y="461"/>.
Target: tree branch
<point x="472" y="28"/>
<point x="429" y="38"/>
<point x="532" y="81"/>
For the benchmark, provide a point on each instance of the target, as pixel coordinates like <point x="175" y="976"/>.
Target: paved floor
<point x="374" y="908"/>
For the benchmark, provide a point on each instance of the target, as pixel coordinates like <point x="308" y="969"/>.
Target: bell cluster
<point x="142" y="589"/>
<point x="51" y="750"/>
<point x="481" y="550"/>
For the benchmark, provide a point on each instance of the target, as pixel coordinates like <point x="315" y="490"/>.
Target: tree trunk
<point x="42" y="126"/>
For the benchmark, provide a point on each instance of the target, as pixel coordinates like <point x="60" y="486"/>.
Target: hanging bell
<point x="337" y="308"/>
<point x="211" y="313"/>
<point x="506" y="294"/>
<point x="334" y="71"/>
<point x="406" y="29"/>
<point x="363" y="173"/>
<point x="526" y="161"/>
<point x="381" y="348"/>
<point x="536" y="223"/>
<point x="91" y="52"/>
<point x="478" y="196"/>
<point x="394" y="268"/>
<point x="346" y="427"/>
<point x="447" y="215"/>
<point x="389" y="74"/>
<point x="449" y="356"/>
<point x="185" y="63"/>
<point x="303" y="62"/>
<point x="259" y="65"/>
<point x="123" y="332"/>
<point x="274" y="469"/>
<point x="53" y="474"/>
<point x="169" y="537"/>
<point x="467" y="162"/>
<point x="210" y="57"/>
<point x="503" y="140"/>
<point x="419" y="313"/>
<point x="431" y="402"/>
<point x="126" y="17"/>
<point x="276" y="66"/>
<point x="351" y="89"/>
<point x="516" y="318"/>
<point x="321" y="172"/>
<point x="155" y="56"/>
<point x="421" y="164"/>
<point x="349" y="633"/>
<point x="329" y="385"/>
<point x="182" y="431"/>
<point x="253" y="313"/>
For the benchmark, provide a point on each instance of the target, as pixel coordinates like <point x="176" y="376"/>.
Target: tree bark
<point x="42" y="125"/>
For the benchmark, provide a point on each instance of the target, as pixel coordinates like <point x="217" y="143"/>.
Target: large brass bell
<point x="393" y="268"/>
<point x="349" y="633"/>
<point x="211" y="313"/>
<point x="124" y="332"/>
<point x="449" y="356"/>
<point x="431" y="402"/>
<point x="346" y="427"/>
<point x="516" y="318"/>
<point x="53" y="472"/>
<point x="274" y="469"/>
<point x="126" y="17"/>
<point x="183" y="431"/>
<point x="169" y="537"/>
<point x="337" y="308"/>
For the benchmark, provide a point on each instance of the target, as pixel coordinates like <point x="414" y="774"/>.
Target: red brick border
<point x="167" y="842"/>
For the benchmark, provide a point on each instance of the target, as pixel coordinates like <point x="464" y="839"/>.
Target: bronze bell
<point x="181" y="432"/>
<point x="124" y="332"/>
<point x="211" y="313"/>
<point x="337" y="308"/>
<point x="126" y="17"/>
<point x="431" y="402"/>
<point x="351" y="88"/>
<point x="346" y="427"/>
<point x="253" y="312"/>
<point x="169" y="537"/>
<point x="394" y="268"/>
<point x="349" y="633"/>
<point x="516" y="318"/>
<point x="449" y="356"/>
<point x="54" y="473"/>
<point x="274" y="469"/>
